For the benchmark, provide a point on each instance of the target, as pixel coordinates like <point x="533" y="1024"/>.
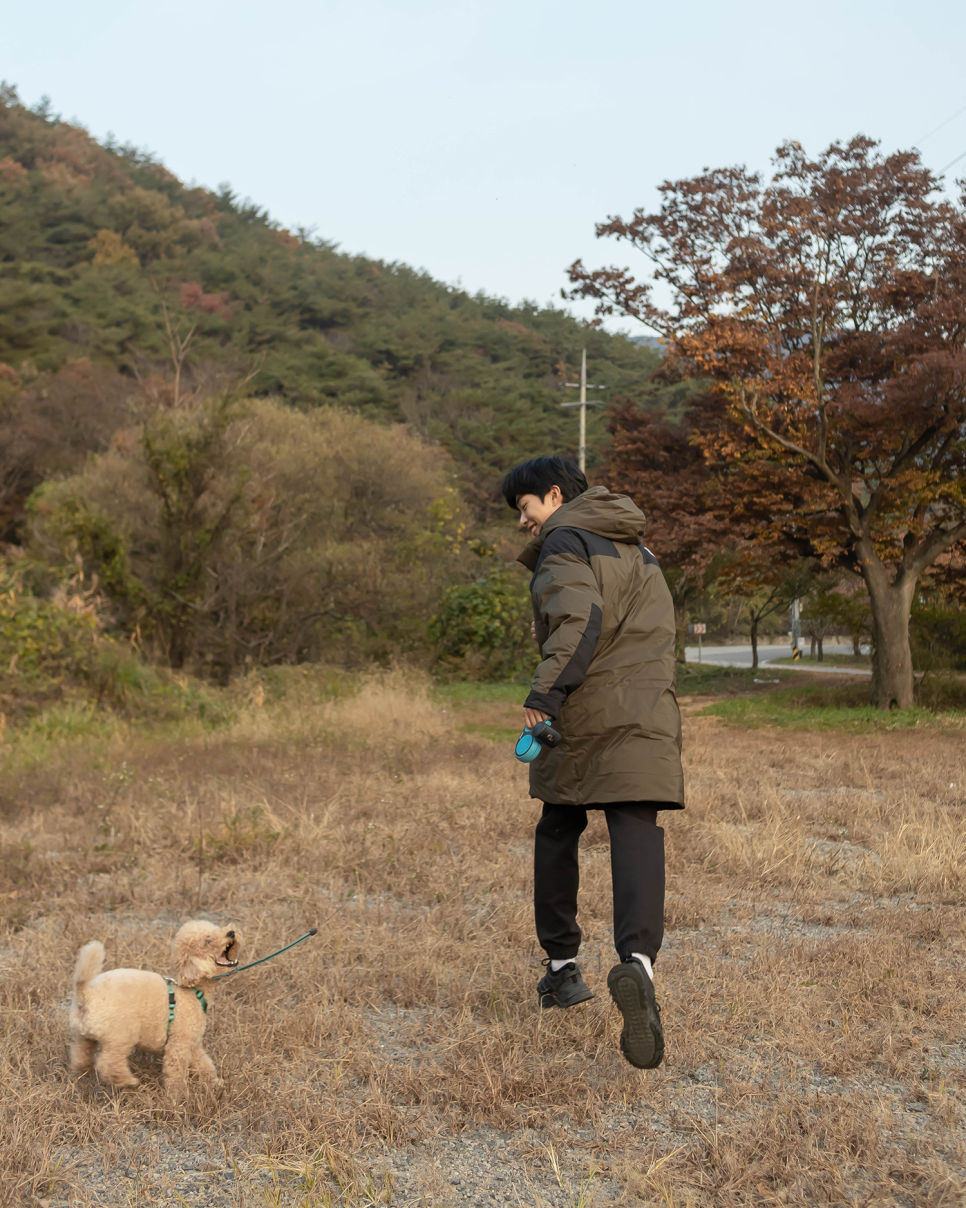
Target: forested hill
<point x="97" y="241"/>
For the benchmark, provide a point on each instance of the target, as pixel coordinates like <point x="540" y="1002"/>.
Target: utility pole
<point x="583" y="403"/>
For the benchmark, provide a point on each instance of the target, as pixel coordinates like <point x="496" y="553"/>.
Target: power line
<point x="951" y="162"/>
<point x="920" y="141"/>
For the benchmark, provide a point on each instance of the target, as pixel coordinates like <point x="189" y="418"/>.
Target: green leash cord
<point x="219" y="976"/>
<point x="271" y="956"/>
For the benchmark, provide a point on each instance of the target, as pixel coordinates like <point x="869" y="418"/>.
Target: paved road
<point x="740" y="656"/>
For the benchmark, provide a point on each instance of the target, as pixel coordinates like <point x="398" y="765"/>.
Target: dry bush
<point x="811" y="979"/>
<point x="49" y="425"/>
<point x="238" y="531"/>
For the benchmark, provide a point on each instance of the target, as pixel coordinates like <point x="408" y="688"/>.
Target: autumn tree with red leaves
<point x="827" y="310"/>
<point x="658" y="463"/>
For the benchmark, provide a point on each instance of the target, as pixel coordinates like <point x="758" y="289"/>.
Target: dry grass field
<point x="812" y="983"/>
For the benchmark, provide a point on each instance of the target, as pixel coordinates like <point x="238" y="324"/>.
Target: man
<point x="604" y="622"/>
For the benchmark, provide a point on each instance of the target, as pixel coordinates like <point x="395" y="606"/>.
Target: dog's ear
<point x="190" y="966"/>
<point x="188" y="969"/>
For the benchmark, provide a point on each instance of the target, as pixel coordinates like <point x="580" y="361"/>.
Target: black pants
<point x="637" y="871"/>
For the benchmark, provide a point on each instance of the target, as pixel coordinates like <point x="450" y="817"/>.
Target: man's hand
<point x="533" y="630"/>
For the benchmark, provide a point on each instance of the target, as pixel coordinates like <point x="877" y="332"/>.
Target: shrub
<point x="58" y="668"/>
<point x="45" y="647"/>
<point x="234" y="531"/>
<point x="937" y="634"/>
<point x="482" y="629"/>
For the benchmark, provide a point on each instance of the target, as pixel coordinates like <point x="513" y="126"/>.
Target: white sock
<point x="556" y="966"/>
<point x="646" y="962"/>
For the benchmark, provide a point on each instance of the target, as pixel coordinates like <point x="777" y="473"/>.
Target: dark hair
<point x="537" y="476"/>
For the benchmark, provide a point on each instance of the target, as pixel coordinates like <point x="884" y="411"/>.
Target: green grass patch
<point x="830" y="660"/>
<point x="501" y="734"/>
<point x="816" y="707"/>
<point x="463" y="692"/>
<point x="699" y="679"/>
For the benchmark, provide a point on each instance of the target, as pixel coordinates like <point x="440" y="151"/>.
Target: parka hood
<point x="598" y="511"/>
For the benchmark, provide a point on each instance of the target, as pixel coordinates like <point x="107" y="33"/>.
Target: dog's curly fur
<point x="112" y="1012"/>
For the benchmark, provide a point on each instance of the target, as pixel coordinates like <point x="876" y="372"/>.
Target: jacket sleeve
<point x="568" y="607"/>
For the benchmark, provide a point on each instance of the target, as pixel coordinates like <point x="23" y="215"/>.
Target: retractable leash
<point x="533" y="739"/>
<point x="528" y="746"/>
<point x="272" y="955"/>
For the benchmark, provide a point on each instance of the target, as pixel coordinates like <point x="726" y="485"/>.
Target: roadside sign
<point x="698" y="627"/>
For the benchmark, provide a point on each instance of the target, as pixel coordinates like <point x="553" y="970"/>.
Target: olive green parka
<point x="605" y="627"/>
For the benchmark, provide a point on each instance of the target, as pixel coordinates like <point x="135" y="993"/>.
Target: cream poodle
<point x="116" y="1010"/>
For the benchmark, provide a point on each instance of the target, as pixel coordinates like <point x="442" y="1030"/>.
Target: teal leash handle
<point x="533" y="739"/>
<point x="271" y="956"/>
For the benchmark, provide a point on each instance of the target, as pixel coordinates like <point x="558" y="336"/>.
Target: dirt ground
<point x="812" y="982"/>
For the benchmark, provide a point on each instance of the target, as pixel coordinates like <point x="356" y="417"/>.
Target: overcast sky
<point x="482" y="141"/>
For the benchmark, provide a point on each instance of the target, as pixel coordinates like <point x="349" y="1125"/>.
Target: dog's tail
<point x="90" y="961"/>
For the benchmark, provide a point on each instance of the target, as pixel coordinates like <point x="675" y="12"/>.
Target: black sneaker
<point x="642" y="1038"/>
<point x="565" y="988"/>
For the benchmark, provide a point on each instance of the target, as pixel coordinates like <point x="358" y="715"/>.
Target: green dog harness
<point x="171" y="986"/>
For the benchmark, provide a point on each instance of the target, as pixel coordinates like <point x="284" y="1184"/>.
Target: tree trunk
<point x="821" y="650"/>
<point x="680" y="633"/>
<point x="857" y="645"/>
<point x="754" y="641"/>
<point x="178" y="642"/>
<point x="811" y="653"/>
<point x="892" y="680"/>
<point x="683" y="591"/>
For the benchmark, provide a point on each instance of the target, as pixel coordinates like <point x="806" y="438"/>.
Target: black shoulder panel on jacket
<point x="598" y="547"/>
<point x="575" y="672"/>
<point x="580" y="542"/>
<point x="648" y="556"/>
<point x="563" y="541"/>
